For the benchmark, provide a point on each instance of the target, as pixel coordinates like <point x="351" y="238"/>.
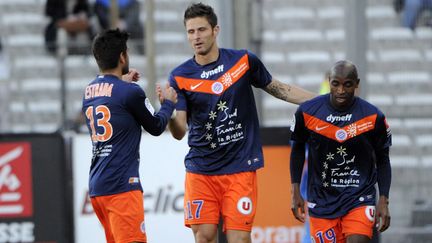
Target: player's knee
<point x="205" y="238"/>
<point x="204" y="233"/>
<point x="238" y="236"/>
<point x="358" y="239"/>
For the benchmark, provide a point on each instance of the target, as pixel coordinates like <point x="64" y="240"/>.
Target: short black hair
<point x="345" y="67"/>
<point x="200" y="10"/>
<point x="107" y="47"/>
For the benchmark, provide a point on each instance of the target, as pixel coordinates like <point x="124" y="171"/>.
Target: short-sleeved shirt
<point x="341" y="157"/>
<point x="221" y="112"/>
<point x="115" y="111"/>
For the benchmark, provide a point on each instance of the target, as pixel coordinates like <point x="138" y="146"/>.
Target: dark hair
<point x="107" y="47"/>
<point x="200" y="10"/>
<point x="344" y="65"/>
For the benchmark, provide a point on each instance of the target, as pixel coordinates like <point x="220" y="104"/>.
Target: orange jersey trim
<point x="215" y="86"/>
<point x="340" y="134"/>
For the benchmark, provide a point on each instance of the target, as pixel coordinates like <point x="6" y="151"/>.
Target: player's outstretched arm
<point x="287" y="92"/>
<point x="383" y="214"/>
<point x="178" y="122"/>
<point x="168" y="93"/>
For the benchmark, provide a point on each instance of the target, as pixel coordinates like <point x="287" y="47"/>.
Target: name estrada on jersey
<point x="342" y="153"/>
<point x="222" y="118"/>
<point x="115" y="111"/>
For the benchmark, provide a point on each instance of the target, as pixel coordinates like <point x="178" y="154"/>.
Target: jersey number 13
<point x="102" y="115"/>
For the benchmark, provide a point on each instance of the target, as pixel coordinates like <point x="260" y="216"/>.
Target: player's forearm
<point x="383" y="172"/>
<point x="295" y="188"/>
<point x="287" y="92"/>
<point x="156" y="125"/>
<point x="178" y="126"/>
<point x="383" y="200"/>
<point x="175" y="130"/>
<point x="296" y="162"/>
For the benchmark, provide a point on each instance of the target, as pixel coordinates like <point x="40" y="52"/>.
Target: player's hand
<point x="168" y="93"/>
<point x="383" y="214"/>
<point x="132" y="76"/>
<point x="297" y="203"/>
<point x="159" y="93"/>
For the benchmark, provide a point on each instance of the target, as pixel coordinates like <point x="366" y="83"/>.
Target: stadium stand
<point x="301" y="39"/>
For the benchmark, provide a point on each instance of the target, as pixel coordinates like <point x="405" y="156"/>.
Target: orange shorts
<point x="234" y="196"/>
<point x="358" y="221"/>
<point x="122" y="216"/>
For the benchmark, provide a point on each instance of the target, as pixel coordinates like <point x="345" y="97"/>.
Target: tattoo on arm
<point x="279" y="90"/>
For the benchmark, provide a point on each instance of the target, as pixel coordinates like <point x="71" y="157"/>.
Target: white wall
<point x="162" y="174"/>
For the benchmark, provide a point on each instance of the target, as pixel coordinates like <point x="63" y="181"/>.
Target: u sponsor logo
<point x="370" y="213"/>
<point x="244" y="205"/>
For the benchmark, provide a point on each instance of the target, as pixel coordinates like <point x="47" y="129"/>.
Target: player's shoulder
<point x="180" y="69"/>
<point x="132" y="87"/>
<point x="369" y="106"/>
<point x="229" y="51"/>
<point x="317" y="101"/>
<point x="126" y="89"/>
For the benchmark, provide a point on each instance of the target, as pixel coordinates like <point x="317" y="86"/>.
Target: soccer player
<point x="348" y="140"/>
<point x="217" y="105"/>
<point x="115" y="111"/>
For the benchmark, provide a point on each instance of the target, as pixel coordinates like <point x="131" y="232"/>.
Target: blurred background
<point x="46" y="61"/>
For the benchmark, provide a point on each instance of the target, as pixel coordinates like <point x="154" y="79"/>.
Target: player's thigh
<point x="240" y="201"/>
<point x="359" y="221"/>
<point x="326" y="230"/>
<point x="126" y="216"/>
<point x="202" y="200"/>
<point x="102" y="214"/>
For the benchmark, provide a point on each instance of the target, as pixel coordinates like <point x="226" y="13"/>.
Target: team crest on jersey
<point x="244" y="205"/>
<point x="217" y="87"/>
<point x="341" y="135"/>
<point x="370" y="213"/>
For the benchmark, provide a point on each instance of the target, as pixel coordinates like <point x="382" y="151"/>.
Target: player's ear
<point x="123" y="57"/>
<point x="216" y="30"/>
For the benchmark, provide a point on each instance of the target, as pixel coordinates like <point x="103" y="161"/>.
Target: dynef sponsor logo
<point x="217" y="70"/>
<point x="331" y="118"/>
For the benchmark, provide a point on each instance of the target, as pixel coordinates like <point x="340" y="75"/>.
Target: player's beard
<point x="125" y="68"/>
<point x="206" y="51"/>
<point x="210" y="47"/>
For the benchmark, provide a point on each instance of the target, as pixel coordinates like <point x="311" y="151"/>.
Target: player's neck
<point x="210" y="57"/>
<point x="115" y="72"/>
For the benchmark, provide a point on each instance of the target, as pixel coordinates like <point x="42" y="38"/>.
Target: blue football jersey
<point x="221" y="112"/>
<point x="341" y="157"/>
<point x="115" y="111"/>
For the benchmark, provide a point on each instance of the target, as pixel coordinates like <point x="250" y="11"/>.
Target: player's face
<point x="201" y="35"/>
<point x="342" y="90"/>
